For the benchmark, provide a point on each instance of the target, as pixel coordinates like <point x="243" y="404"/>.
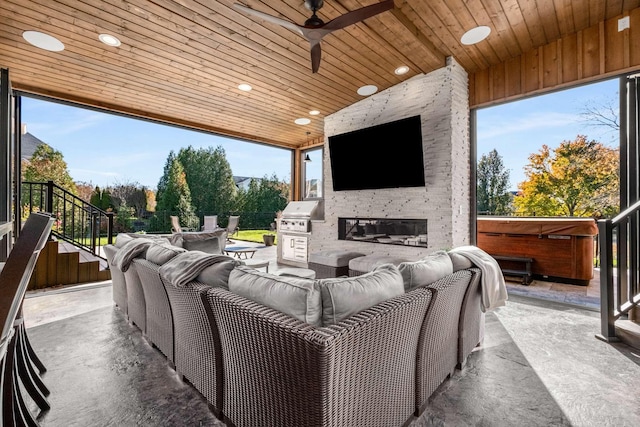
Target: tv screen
<point x="383" y="156"/>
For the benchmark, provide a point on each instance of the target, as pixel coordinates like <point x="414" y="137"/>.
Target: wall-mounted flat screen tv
<point x="383" y="156"/>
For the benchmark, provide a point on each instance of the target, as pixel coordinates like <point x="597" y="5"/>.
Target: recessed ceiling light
<point x="302" y="121"/>
<point x="401" y="70"/>
<point x="43" y="41"/>
<point x="367" y="90"/>
<point x="244" y="87"/>
<point x="475" y="35"/>
<point x="314" y="112"/>
<point x="109" y="40"/>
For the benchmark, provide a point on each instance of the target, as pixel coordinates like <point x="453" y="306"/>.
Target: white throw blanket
<point x="124" y="255"/>
<point x="185" y="267"/>
<point x="493" y="288"/>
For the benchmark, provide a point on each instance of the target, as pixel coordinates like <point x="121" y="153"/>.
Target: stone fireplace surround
<point x="441" y="99"/>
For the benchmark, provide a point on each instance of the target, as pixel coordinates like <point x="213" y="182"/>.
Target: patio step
<point x="629" y="333"/>
<point x="61" y="263"/>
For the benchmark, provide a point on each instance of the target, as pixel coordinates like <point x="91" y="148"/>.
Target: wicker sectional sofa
<point x="262" y="364"/>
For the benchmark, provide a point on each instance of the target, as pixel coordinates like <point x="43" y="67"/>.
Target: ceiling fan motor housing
<point x="313" y="5"/>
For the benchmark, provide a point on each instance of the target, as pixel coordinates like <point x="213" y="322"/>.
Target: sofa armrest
<point x="281" y="371"/>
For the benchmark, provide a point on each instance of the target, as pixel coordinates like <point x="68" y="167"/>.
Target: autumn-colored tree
<point x="48" y="164"/>
<point x="493" y="197"/>
<point x="578" y="178"/>
<point x="85" y="190"/>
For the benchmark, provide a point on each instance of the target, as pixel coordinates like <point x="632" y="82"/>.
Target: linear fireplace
<point x="390" y="231"/>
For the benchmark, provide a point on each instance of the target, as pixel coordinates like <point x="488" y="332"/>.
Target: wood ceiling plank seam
<point x="257" y="47"/>
<point x="597" y="11"/>
<point x="501" y="27"/>
<point x="532" y="19"/>
<point x="164" y="84"/>
<point x="230" y="51"/>
<point x="580" y="15"/>
<point x="614" y="8"/>
<point x="436" y="56"/>
<point x="413" y="18"/>
<point x="515" y="18"/>
<point x="449" y="27"/>
<point x="336" y="93"/>
<point x="139" y="95"/>
<point x="565" y="17"/>
<point x="347" y="43"/>
<point x="467" y="20"/>
<point x="413" y="53"/>
<point x="477" y="11"/>
<point x="376" y="26"/>
<point x="187" y="70"/>
<point x="549" y="19"/>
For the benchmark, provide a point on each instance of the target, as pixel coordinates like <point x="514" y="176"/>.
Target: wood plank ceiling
<point x="181" y="60"/>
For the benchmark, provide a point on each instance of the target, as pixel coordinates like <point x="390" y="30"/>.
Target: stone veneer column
<point x="441" y="99"/>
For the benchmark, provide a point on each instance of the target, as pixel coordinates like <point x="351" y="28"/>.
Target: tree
<point x="578" y="178"/>
<point x="131" y="194"/>
<point x="265" y="197"/>
<point x="101" y="199"/>
<point x="210" y="179"/>
<point x="85" y="190"/>
<point x="492" y="194"/>
<point x="175" y="196"/>
<point x="48" y="164"/>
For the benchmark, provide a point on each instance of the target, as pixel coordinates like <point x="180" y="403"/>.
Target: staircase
<point x="73" y="254"/>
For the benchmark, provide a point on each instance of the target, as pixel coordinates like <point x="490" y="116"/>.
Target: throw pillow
<point x="459" y="262"/>
<point x="427" y="270"/>
<point x="161" y="253"/>
<point x="295" y="296"/>
<point x="217" y="275"/>
<point x="122" y="239"/>
<point x="343" y="297"/>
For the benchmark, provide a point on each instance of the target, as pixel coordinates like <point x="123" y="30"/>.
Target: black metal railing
<point x="77" y="221"/>
<point x="619" y="262"/>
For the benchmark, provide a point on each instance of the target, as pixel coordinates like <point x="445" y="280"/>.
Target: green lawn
<point x="252" y="235"/>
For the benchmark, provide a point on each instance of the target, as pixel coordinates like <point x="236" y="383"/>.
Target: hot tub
<point x="562" y="248"/>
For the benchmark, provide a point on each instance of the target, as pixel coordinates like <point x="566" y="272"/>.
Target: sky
<point x="518" y="129"/>
<point x="105" y="149"/>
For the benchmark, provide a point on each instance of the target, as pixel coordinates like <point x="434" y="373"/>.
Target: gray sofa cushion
<point x="122" y="239"/>
<point x="217" y="275"/>
<point x="161" y="253"/>
<point x="342" y="297"/>
<point x="211" y="242"/>
<point x="427" y="270"/>
<point x="370" y="262"/>
<point x="297" y="297"/>
<point x="459" y="262"/>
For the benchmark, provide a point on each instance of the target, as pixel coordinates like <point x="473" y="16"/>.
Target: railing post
<point x="49" y="206"/>
<point x="607" y="316"/>
<point x="110" y="228"/>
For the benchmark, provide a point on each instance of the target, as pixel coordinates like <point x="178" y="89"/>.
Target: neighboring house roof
<point x="29" y="145"/>
<point x="243" y="181"/>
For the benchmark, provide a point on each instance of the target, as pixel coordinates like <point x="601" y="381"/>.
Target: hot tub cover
<point x="570" y="226"/>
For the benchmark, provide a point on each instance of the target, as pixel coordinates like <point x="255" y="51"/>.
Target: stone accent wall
<point x="441" y="99"/>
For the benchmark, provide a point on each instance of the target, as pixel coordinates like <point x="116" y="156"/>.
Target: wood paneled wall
<point x="595" y="53"/>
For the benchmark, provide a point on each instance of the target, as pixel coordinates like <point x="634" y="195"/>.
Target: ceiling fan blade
<point x="316" y="53"/>
<point x="269" y="18"/>
<point x="358" y="15"/>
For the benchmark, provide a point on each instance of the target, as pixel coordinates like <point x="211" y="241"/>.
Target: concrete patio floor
<point x="540" y="365"/>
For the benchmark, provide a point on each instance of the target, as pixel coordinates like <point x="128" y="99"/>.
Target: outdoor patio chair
<point x="175" y="225"/>
<point x="232" y="226"/>
<point x="210" y="223"/>
<point x="15" y="351"/>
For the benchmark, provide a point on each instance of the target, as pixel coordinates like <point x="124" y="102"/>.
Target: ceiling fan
<point x="314" y="28"/>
